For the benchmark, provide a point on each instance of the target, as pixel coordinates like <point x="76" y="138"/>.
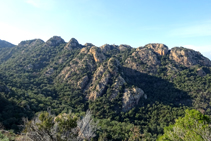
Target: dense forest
<point x="129" y="91"/>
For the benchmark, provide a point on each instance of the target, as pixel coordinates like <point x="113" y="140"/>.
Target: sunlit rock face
<point x="161" y="49"/>
<point x="188" y="57"/>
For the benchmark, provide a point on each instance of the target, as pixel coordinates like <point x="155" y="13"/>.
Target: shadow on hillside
<point x="11" y="114"/>
<point x="157" y="89"/>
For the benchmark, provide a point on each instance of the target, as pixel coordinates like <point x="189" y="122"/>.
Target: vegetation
<point x="194" y="126"/>
<point x="28" y="88"/>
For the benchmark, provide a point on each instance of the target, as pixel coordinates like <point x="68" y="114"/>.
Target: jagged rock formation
<point x="78" y="67"/>
<point x="98" y="55"/>
<point x="131" y="98"/>
<point x="161" y="49"/>
<point x="188" y="57"/>
<point x="98" y="83"/>
<point x="55" y="41"/>
<point x="139" y="59"/>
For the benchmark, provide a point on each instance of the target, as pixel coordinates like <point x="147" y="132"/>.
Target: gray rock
<point x="131" y="98"/>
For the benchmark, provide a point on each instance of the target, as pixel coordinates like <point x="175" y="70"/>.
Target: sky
<point x="184" y="23"/>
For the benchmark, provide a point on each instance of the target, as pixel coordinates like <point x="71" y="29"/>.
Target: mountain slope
<point x="149" y="86"/>
<point x="4" y="44"/>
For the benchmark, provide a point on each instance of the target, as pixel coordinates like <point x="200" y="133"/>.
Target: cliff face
<point x="161" y="49"/>
<point x="97" y="54"/>
<point x="188" y="57"/>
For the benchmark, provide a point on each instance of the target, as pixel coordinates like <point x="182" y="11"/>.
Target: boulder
<point x="131" y="98"/>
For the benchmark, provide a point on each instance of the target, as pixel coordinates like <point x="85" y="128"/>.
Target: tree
<point x="194" y="126"/>
<point x="87" y="127"/>
<point x="64" y="127"/>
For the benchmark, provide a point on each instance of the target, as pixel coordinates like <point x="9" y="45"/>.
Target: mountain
<point x="149" y="86"/>
<point x="4" y="44"/>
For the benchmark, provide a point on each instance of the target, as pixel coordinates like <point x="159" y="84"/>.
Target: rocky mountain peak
<point x="161" y="49"/>
<point x="72" y="44"/>
<point x="30" y="43"/>
<point x="188" y="57"/>
<point x="55" y="41"/>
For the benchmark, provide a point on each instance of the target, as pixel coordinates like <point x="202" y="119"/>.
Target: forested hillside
<point x="144" y="88"/>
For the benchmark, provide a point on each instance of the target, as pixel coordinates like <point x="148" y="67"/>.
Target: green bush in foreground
<point x="193" y="127"/>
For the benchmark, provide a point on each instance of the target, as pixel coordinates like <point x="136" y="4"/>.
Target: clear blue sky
<point x="133" y="22"/>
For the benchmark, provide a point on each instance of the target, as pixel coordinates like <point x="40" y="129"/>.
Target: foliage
<point x="64" y="127"/>
<point x="194" y="126"/>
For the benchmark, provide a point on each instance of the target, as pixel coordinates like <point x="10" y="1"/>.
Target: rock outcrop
<point x="98" y="83"/>
<point x="72" y="44"/>
<point x="82" y="83"/>
<point x="188" y="57"/>
<point x="113" y="65"/>
<point x="97" y="54"/>
<point x="201" y="72"/>
<point x="142" y="60"/>
<point x="55" y="41"/>
<point x="124" y="47"/>
<point x="161" y="49"/>
<point x="78" y="68"/>
<point x="131" y="98"/>
<point x="107" y="48"/>
<point x="116" y="86"/>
